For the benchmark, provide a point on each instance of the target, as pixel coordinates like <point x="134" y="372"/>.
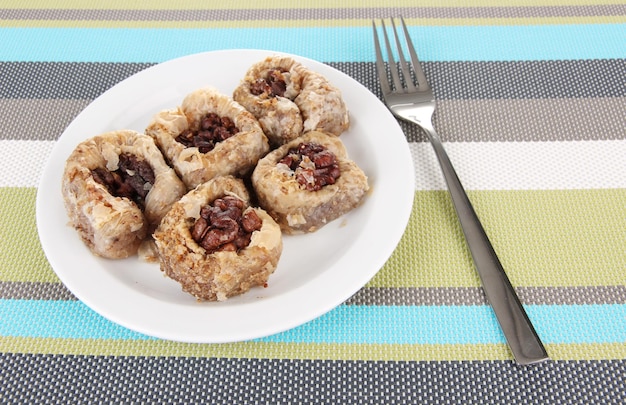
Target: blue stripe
<point x="457" y="325"/>
<point x="339" y="44"/>
<point x="347" y="324"/>
<point x="58" y="319"/>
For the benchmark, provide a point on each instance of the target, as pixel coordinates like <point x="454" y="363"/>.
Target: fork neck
<point x="420" y="116"/>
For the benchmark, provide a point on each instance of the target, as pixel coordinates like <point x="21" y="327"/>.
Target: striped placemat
<point x="531" y="106"/>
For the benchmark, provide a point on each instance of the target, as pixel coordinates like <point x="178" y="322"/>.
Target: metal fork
<point x="414" y="102"/>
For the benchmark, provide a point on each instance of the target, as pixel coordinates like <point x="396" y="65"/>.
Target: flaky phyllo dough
<point x="219" y="274"/>
<point x="236" y="155"/>
<point x="296" y="207"/>
<point x="113" y="226"/>
<point x="288" y="99"/>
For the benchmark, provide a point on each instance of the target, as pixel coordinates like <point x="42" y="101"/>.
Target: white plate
<point x="316" y="272"/>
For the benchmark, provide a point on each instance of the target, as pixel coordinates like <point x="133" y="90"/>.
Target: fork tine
<point x="406" y="72"/>
<point x="419" y="73"/>
<point x="380" y="64"/>
<point x="394" y="71"/>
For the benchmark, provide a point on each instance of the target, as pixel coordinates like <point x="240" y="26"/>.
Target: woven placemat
<point x="539" y="149"/>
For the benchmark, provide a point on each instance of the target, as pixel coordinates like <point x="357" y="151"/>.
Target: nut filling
<point x="133" y="179"/>
<point x="313" y="165"/>
<point x="223" y="226"/>
<point x="274" y="85"/>
<point x="212" y="129"/>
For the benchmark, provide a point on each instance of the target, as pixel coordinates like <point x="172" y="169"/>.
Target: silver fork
<point x="414" y="102"/>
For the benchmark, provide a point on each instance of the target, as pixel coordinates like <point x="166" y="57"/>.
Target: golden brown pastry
<point x="308" y="182"/>
<point x="321" y="105"/>
<point x="209" y="135"/>
<point x="289" y="99"/>
<point x="216" y="245"/>
<point x="116" y="189"/>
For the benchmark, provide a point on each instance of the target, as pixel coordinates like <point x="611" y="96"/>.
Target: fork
<point x="410" y="98"/>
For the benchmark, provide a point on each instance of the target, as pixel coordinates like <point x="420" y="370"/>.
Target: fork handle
<point x="518" y="330"/>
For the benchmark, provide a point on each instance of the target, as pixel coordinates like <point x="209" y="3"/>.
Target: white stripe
<point x="22" y="162"/>
<point x="480" y="165"/>
<point x="525" y="165"/>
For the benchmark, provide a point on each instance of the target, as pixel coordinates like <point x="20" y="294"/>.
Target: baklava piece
<point x="116" y="189"/>
<point x="209" y="135"/>
<point x="215" y="244"/>
<point x="289" y="99"/>
<point x="308" y="182"/>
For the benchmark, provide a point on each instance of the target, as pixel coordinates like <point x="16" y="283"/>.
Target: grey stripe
<point x="38" y="119"/>
<point x="527" y="79"/>
<point x="418" y="296"/>
<point x="450" y="80"/>
<point x="387" y="296"/>
<point x="62" y="80"/>
<point x="36" y="378"/>
<point x="312" y="13"/>
<point x="567" y="119"/>
<point x="40" y="99"/>
<point x="475" y="296"/>
<point x="35" y="291"/>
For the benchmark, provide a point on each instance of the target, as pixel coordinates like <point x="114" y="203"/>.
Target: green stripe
<point x="21" y="255"/>
<point x="312" y="351"/>
<point x="544" y="238"/>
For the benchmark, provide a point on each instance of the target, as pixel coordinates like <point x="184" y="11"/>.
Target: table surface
<point x="532" y="109"/>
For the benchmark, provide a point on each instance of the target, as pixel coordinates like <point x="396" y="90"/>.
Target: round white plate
<point x="316" y="271"/>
